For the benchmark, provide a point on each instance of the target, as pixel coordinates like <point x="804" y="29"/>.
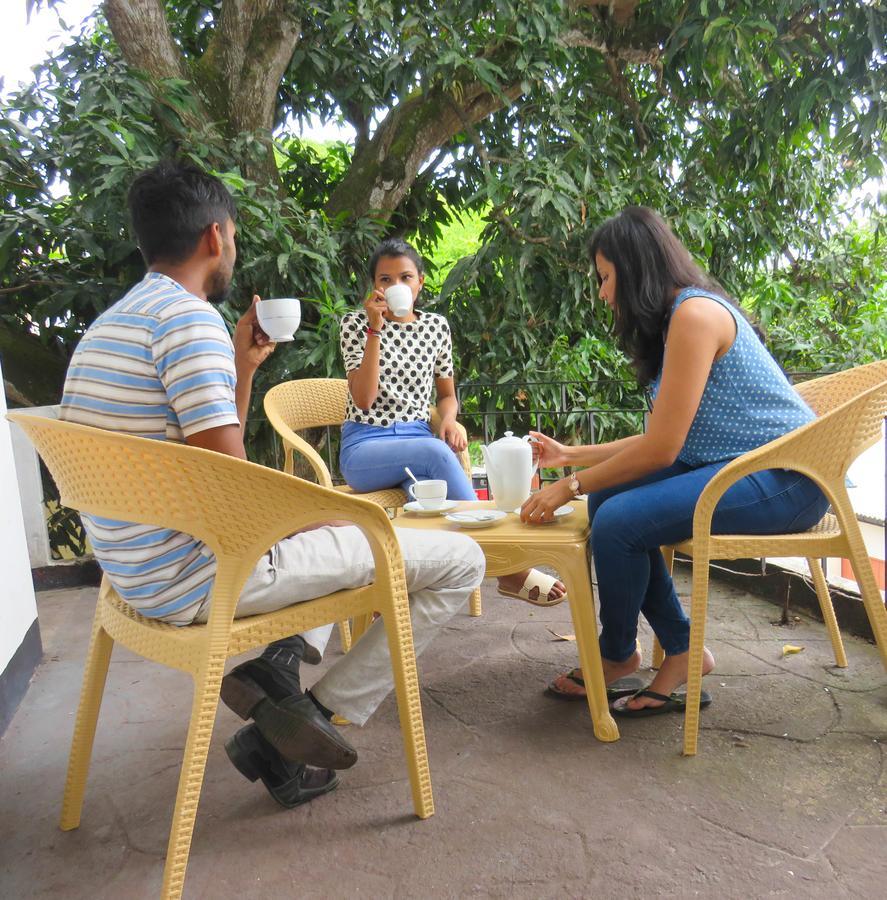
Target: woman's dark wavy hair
<point x="651" y="266"/>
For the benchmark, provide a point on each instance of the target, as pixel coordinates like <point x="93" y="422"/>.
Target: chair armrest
<point x="464" y="456"/>
<point x="293" y="443"/>
<point x="796" y="451"/>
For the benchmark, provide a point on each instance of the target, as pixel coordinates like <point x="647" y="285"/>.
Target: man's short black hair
<point x="171" y="205"/>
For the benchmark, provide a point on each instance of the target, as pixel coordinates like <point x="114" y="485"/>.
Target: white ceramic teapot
<point x="510" y="468"/>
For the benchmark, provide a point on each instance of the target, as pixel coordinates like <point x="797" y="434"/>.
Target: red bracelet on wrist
<point x="371" y="330"/>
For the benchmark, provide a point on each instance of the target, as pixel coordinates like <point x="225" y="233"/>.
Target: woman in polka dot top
<point x="393" y="364"/>
<point x="717" y="393"/>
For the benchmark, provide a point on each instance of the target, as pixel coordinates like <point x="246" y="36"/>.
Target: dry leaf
<point x="789" y="649"/>
<point x="562" y="637"/>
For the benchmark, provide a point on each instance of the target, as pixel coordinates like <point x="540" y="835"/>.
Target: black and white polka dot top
<point x="411" y="356"/>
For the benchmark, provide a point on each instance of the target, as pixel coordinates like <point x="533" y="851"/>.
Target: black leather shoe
<point x="290" y="722"/>
<point x="290" y="784"/>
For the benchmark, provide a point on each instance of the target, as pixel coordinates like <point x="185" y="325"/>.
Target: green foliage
<point x="748" y="124"/>
<point x="828" y="310"/>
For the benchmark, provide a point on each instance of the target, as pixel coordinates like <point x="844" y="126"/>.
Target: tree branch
<point x="141" y="30"/>
<point x="247" y="56"/>
<point x="382" y="172"/>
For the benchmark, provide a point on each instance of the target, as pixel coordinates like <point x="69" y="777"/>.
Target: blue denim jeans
<point x="373" y="458"/>
<point x="631" y="521"/>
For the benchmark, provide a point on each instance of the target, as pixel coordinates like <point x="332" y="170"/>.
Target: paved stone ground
<point x="788" y="796"/>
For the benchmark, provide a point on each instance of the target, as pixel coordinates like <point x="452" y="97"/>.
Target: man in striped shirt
<point x="160" y="364"/>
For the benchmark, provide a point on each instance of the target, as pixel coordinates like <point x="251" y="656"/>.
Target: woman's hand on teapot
<point x="547" y="452"/>
<point x="450" y="432"/>
<point x="375" y="307"/>
<point x="539" y="509"/>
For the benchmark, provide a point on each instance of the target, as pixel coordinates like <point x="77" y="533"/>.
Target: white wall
<point x="18" y="608"/>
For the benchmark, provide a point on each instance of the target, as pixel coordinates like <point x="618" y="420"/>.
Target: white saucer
<point x="558" y="513"/>
<point x="414" y="507"/>
<point x="476" y="518"/>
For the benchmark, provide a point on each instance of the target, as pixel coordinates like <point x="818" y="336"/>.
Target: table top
<point x="566" y="529"/>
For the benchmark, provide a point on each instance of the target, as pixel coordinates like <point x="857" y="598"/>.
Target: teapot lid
<point x="509" y="438"/>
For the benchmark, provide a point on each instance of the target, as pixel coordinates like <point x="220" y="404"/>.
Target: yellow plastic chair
<point x="239" y="510"/>
<point x="850" y="408"/>
<point x="318" y="402"/>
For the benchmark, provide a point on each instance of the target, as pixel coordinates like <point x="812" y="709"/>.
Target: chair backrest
<point x="827" y="446"/>
<point x="828" y="392"/>
<point x="237" y="508"/>
<point x="309" y="402"/>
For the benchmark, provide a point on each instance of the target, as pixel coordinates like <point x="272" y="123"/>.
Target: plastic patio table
<point x="510" y="546"/>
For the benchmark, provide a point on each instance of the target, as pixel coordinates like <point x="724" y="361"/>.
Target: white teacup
<point x="399" y="298"/>
<point x="279" y="318"/>
<point x="429" y="494"/>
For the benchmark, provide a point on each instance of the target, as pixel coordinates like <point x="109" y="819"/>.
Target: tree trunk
<point x="383" y="171"/>
<point x="238" y="75"/>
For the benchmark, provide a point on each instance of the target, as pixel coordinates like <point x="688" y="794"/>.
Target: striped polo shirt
<point x="157" y="364"/>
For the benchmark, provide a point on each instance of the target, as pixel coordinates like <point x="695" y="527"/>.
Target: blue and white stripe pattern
<point x="157" y="364"/>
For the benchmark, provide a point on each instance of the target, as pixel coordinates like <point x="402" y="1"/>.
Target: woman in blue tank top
<point x="717" y="393"/>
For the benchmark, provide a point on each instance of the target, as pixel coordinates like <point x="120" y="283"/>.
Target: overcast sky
<point x="24" y="44"/>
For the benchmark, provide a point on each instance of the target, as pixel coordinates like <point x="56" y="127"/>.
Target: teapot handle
<point x="531" y="440"/>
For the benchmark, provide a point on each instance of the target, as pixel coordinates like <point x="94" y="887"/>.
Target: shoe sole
<point x="299" y="741"/>
<point x="240" y="759"/>
<point x="241" y="695"/>
<point x="295" y="740"/>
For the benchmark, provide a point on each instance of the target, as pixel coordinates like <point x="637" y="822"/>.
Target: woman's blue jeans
<point x="629" y="524"/>
<point x="373" y="458"/>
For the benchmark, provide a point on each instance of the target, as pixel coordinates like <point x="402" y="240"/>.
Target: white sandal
<point x="536" y="579"/>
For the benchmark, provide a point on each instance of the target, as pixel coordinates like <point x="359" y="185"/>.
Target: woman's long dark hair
<point x="651" y="265"/>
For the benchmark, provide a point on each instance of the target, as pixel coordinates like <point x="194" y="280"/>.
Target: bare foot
<point x="671" y="675"/>
<point x="513" y="583"/>
<point x="572" y="683"/>
<point x="613" y="671"/>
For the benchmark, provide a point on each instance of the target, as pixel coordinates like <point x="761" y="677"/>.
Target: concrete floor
<point x="788" y="796"/>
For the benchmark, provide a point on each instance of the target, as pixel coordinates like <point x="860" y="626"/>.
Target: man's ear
<point x="214" y="239"/>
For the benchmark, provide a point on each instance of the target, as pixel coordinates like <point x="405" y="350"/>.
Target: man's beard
<point x="220" y="287"/>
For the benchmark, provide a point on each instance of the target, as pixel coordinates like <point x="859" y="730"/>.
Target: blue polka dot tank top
<point x="747" y="401"/>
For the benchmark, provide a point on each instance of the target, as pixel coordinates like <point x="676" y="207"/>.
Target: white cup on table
<point x="429" y="494"/>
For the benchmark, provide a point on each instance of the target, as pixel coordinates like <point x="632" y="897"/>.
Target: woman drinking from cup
<point x="717" y="393"/>
<point x="394" y="355"/>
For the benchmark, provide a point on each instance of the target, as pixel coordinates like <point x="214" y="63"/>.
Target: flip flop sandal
<point x="622" y="687"/>
<point x="670" y="703"/>
<point x="535" y="579"/>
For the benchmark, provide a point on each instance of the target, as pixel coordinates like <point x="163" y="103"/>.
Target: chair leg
<point x="474" y="603"/>
<point x="409" y="707"/>
<point x="203" y="716"/>
<point x="345" y="635"/>
<point x="871" y="596"/>
<point x="95" y="672"/>
<point x="658" y="652"/>
<point x="828" y="611"/>
<point x="359" y="625"/>
<point x="698" y="606"/>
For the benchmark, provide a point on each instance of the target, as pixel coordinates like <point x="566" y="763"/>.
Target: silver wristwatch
<point x="575" y="487"/>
